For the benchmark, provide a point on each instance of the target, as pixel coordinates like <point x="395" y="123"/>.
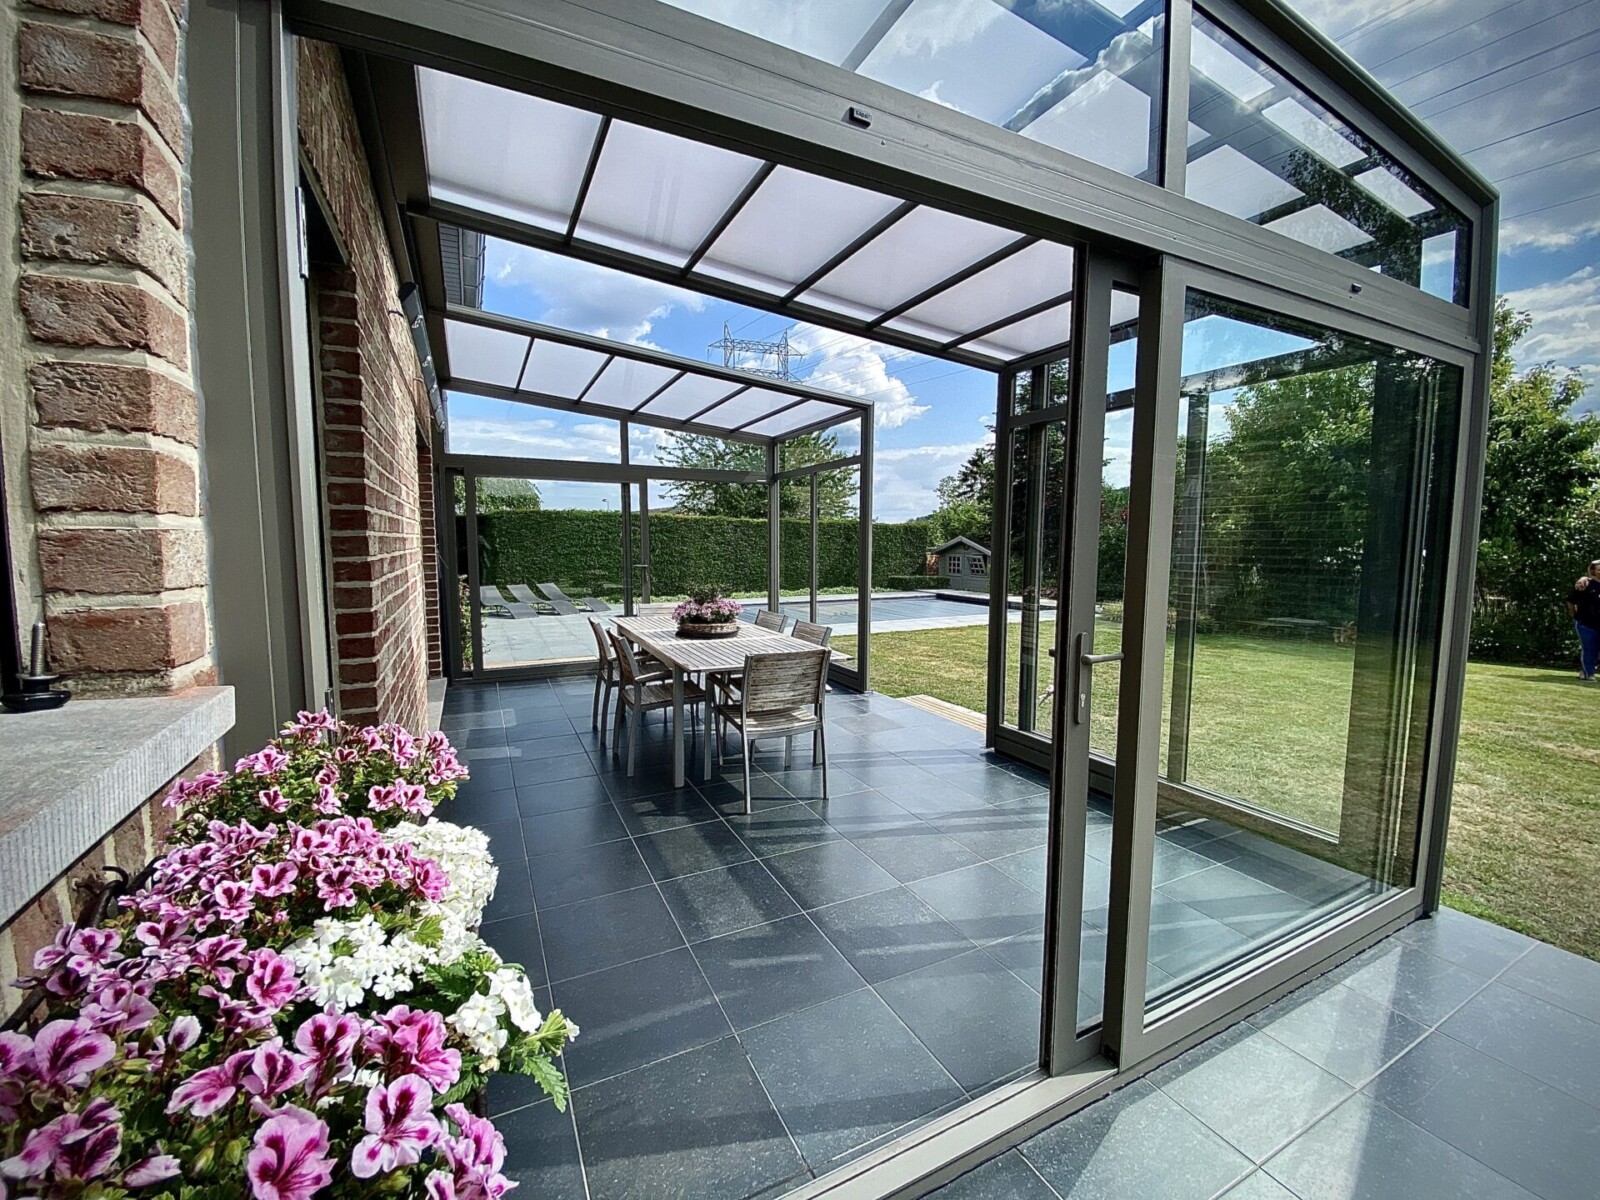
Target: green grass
<point x="1269" y="724"/>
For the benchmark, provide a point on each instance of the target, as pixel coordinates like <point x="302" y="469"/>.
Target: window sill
<point x="70" y="776"/>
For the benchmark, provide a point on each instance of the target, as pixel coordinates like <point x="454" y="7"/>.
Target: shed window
<point x="976" y="565"/>
<point x="952" y="564"/>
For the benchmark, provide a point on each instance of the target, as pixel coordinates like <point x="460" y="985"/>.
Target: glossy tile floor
<point x="1456" y="1059"/>
<point x="763" y="997"/>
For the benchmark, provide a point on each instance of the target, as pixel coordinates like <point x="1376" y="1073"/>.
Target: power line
<point x="1535" y="129"/>
<point x="1514" y="83"/>
<point x="1457" y="29"/>
<point x="1546" y="208"/>
<point x="1487" y="74"/>
<point x="1543" y="166"/>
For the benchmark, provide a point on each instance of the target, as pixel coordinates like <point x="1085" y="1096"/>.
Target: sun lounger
<point x="534" y="606"/>
<point x="489" y="597"/>
<point x="523" y="606"/>
<point x="559" y="600"/>
<point x="596" y="605"/>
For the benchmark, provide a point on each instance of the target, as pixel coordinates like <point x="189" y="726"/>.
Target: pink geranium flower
<point x="411" y="1041"/>
<point x="274" y="879"/>
<point x="271" y="982"/>
<point x="273" y="1071"/>
<point x="66" y="1053"/>
<point x="273" y="800"/>
<point x="266" y="763"/>
<point x="235" y="900"/>
<point x="77" y="1146"/>
<point x="399" y="1127"/>
<point x="155" y="1169"/>
<point x="290" y="1158"/>
<point x="92" y="948"/>
<point x="210" y="1089"/>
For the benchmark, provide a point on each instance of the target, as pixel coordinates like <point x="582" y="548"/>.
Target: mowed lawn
<point x="1269" y="724"/>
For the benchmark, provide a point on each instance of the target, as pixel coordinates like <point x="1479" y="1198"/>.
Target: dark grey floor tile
<point x="793" y="826"/>
<point x="513" y="896"/>
<point x="659" y="811"/>
<point x="991" y="784"/>
<point x="573" y="829"/>
<point x="804" y="782"/>
<point x="726" y="794"/>
<point x="833" y="1101"/>
<point x="637" y="1013"/>
<point x="863" y="813"/>
<point x="526" y="757"/>
<point x="572" y="875"/>
<point x="532" y="726"/>
<point x="888" y="933"/>
<point x="692" y="849"/>
<point x="769" y="970"/>
<point x="507" y="1093"/>
<point x="828" y="873"/>
<point x="517" y="940"/>
<point x="1533" y="1134"/>
<point x="979" y="1020"/>
<point x="542" y="1152"/>
<point x="1341" y="1030"/>
<point x="468" y="742"/>
<point x="505" y="839"/>
<point x="1411" y="981"/>
<point x="935" y="800"/>
<point x="1364" y="1151"/>
<point x="1027" y="867"/>
<point x="594" y="934"/>
<point x="997" y="832"/>
<point x="1009" y="1177"/>
<point x="696" y="1127"/>
<point x="985" y="904"/>
<point x="537" y="798"/>
<point x="713" y="903"/>
<point x="1553" y="1045"/>
<point x="1023" y="956"/>
<point x="480" y="807"/>
<point x="1260" y="1186"/>
<point x="536" y="772"/>
<point x="1239" y="901"/>
<point x="1135" y="1142"/>
<point x="1291" y="870"/>
<point x="1468" y="942"/>
<point x="1558" y="978"/>
<point x="1251" y="1089"/>
<point x="915" y="853"/>
<point x="1185" y="942"/>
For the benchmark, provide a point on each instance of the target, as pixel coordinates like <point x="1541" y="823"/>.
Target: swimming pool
<point x="895" y="611"/>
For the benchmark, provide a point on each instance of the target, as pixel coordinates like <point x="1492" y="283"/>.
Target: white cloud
<point x="516" y="436"/>
<point x="857" y="367"/>
<point x="906" y="479"/>
<point x="578" y="295"/>
<point x="1566" y="325"/>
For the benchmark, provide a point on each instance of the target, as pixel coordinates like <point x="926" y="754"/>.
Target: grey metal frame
<point x="671" y="70"/>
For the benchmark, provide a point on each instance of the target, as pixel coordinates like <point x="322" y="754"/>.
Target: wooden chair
<point x="771" y="621"/>
<point x="640" y="692"/>
<point x="605" y="678"/>
<point x="783" y="695"/>
<point x="810" y="631"/>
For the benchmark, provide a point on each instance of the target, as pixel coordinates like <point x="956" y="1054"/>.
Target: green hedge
<point x="581" y="550"/>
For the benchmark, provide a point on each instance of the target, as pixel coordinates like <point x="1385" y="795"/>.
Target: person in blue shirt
<point x="1583" y="603"/>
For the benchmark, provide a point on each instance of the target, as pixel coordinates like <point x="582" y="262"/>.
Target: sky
<point x="1509" y="82"/>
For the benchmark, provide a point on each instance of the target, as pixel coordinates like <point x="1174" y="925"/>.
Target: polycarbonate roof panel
<point x="1102" y="120"/>
<point x="660" y="195"/>
<point x="559" y="370"/>
<point x="1031" y="276"/>
<point x="792" y="225"/>
<point x="747" y="406"/>
<point x="526" y="163"/>
<point x="1225" y="179"/>
<point x="916" y="252"/>
<point x="1224" y="69"/>
<point x="807" y="412"/>
<point x="626" y="383"/>
<point x="1050" y="328"/>
<point x="1383" y="184"/>
<point x="484" y="355"/>
<point x="688" y="396"/>
<point x="1313" y="132"/>
<point x="1321" y="227"/>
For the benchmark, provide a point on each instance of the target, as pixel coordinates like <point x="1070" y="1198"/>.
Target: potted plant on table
<point x="707" y="613"/>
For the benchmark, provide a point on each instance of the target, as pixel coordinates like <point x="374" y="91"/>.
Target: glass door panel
<point x="549" y="555"/>
<point x="1304" y="592"/>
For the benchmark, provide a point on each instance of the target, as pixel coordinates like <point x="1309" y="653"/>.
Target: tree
<point x="500" y="495"/>
<point x="836" y="490"/>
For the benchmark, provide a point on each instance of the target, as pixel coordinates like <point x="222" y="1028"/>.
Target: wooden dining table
<point x="686" y="656"/>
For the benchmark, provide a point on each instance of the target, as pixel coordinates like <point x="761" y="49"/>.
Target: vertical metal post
<point x="864" y="563"/>
<point x="774" y="531"/>
<point x="629" y="587"/>
<point x="1144" y="645"/>
<point x="1187" y="571"/>
<point x="1036" y="441"/>
<point x="1173" y="120"/>
<point x="474" y="575"/>
<point x="644" y="542"/>
<point x="815" y="510"/>
<point x="999" y="557"/>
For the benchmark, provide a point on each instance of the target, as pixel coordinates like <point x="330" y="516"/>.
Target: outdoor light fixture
<point x="411" y="302"/>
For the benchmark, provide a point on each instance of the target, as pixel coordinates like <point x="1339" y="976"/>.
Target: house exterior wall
<point x="375" y="426"/>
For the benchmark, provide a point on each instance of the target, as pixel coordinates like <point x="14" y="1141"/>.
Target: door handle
<point x="1085" y="671"/>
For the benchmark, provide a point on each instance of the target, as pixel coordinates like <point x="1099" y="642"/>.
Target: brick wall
<point x="374" y="412"/>
<point x="106" y="510"/>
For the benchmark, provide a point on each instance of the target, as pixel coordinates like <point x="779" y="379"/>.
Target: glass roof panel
<point x="560" y="370"/>
<point x="808" y="412"/>
<point x="909" y="257"/>
<point x="1315" y="133"/>
<point x="660" y="195"/>
<point x="1102" y="119"/>
<point x="970" y="55"/>
<point x="524" y="164"/>
<point x="626" y="383"/>
<point x="1041" y="331"/>
<point x="484" y="355"/>
<point x="1225" y="179"/>
<point x="688" y="396"/>
<point x="1224" y="68"/>
<point x="1028" y="277"/>
<point x="825" y="29"/>
<point x="793" y="224"/>
<point x="747" y="406"/>
<point x="1321" y="227"/>
<point x="1386" y="187"/>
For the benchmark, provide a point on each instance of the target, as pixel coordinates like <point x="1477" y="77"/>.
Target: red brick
<point x="94" y="312"/>
<point x="150" y="17"/>
<point x="102" y="396"/>
<point x="84" y="229"/>
<point x="113" y="561"/>
<point x="129" y="847"/>
<point x="112" y="479"/>
<point x="128" y="639"/>
<point x="68" y="61"/>
<point x="58" y="145"/>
